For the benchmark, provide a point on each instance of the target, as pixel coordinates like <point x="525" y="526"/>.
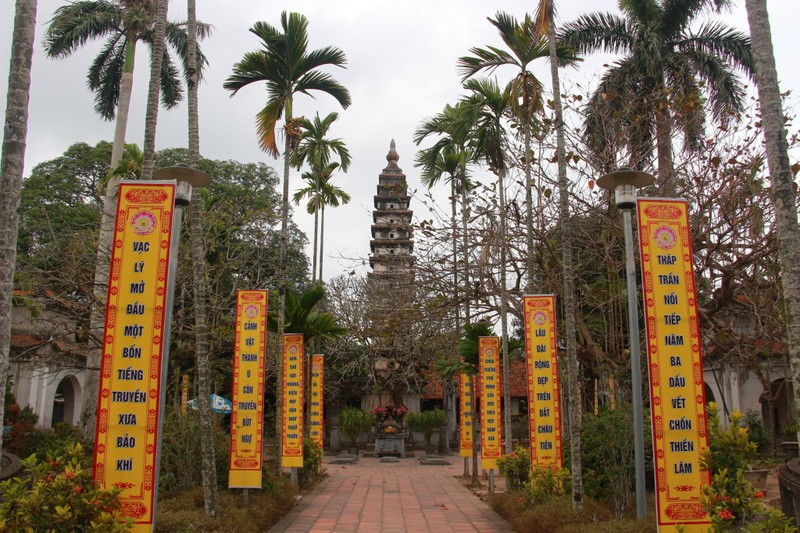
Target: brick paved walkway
<point x="375" y="497"/>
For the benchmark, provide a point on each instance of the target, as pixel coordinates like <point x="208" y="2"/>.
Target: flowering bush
<point x="515" y="467"/>
<point x="58" y="495"/>
<point x="545" y="483"/>
<point x="730" y="500"/>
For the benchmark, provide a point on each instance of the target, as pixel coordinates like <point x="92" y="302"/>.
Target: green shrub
<point x="181" y="452"/>
<point x="59" y="495"/>
<point x="42" y="442"/>
<point x="312" y="461"/>
<point x="545" y="483"/>
<point x="515" y="467"/>
<point x="607" y="455"/>
<point x="756" y="432"/>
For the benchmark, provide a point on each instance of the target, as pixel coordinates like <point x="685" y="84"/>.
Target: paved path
<point x="375" y="497"/>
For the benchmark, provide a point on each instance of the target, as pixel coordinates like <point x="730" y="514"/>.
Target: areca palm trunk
<point x="504" y="314"/>
<point x="468" y="313"/>
<point x="124" y="104"/>
<point x="531" y="256"/>
<point x="664" y="145"/>
<point x="569" y="274"/>
<point x="208" y="469"/>
<point x="153" y="92"/>
<point x="282" y="270"/>
<point x="321" y="238"/>
<point x="12" y="163"/>
<point x="783" y="195"/>
<point x="316" y="232"/>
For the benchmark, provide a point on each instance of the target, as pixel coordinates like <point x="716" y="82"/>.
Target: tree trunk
<point x="475" y="482"/>
<point x="284" y="237"/>
<point x="569" y="275"/>
<point x="316" y="230"/>
<point x="321" y="239"/>
<point x="97" y="314"/>
<point x="209" y="467"/>
<point x="783" y="194"/>
<point x="13" y="163"/>
<point x="531" y="253"/>
<point x="504" y="316"/>
<point x="666" y="181"/>
<point x="153" y="92"/>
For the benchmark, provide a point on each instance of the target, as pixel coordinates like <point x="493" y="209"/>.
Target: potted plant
<point x="352" y="423"/>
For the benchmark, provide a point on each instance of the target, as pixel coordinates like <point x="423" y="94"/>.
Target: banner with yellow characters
<point x="544" y="400"/>
<point x="292" y="434"/>
<point x="126" y="438"/>
<point x="675" y="363"/>
<point x="465" y="425"/>
<point x="247" y="412"/>
<point x="317" y="399"/>
<point x="491" y="435"/>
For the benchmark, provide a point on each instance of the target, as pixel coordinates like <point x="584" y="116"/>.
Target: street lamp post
<point x="624" y="182"/>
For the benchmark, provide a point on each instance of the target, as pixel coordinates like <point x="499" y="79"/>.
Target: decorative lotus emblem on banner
<point x="143" y="222"/>
<point x="665" y="237"/>
<point x="251" y="311"/>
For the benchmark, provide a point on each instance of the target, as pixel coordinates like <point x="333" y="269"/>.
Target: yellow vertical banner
<point x="491" y="440"/>
<point x="126" y="438"/>
<point x="544" y="398"/>
<point x="465" y="425"/>
<point x="247" y="411"/>
<point x="292" y="416"/>
<point x="317" y="405"/>
<point x="675" y="363"/>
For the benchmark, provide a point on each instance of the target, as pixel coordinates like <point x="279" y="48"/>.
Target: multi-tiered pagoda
<point x="392" y="243"/>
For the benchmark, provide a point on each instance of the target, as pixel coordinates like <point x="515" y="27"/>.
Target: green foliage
<point x="545" y="483"/>
<point x="756" y="432"/>
<point x="181" y="457"/>
<point x="607" y="455"/>
<point x="301" y="316"/>
<point x="43" y="442"/>
<point x="312" y="460"/>
<point x="353" y="422"/>
<point x="730" y="500"/>
<point x="426" y="422"/>
<point x="515" y="467"/>
<point x="58" y="494"/>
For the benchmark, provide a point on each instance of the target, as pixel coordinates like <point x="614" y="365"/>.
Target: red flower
<point x="78" y="489"/>
<point x="725" y="514"/>
<point x="759" y="494"/>
<point x="69" y="474"/>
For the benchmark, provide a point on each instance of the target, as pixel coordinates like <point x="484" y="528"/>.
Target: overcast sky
<point x="401" y="60"/>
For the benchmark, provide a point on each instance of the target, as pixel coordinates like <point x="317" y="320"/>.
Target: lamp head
<point x="187" y="179"/>
<point x="624" y="181"/>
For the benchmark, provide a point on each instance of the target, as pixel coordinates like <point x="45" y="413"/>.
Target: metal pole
<point x="636" y="367"/>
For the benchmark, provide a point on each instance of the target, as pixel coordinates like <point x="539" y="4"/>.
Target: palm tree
<point x="525" y="45"/>
<point x="488" y="107"/>
<point x="287" y="67"/>
<point x="666" y="66"/>
<point x="320" y="193"/>
<point x="151" y="113"/>
<point x="12" y="163"/>
<point x="199" y="288"/>
<point x="123" y="24"/>
<point x="111" y="78"/>
<point x="316" y="150"/>
<point x="783" y="193"/>
<point x="300" y="316"/>
<point x="546" y="25"/>
<point x="448" y="157"/>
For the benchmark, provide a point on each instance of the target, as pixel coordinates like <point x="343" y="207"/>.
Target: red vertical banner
<point x="465" y="425"/>
<point x="491" y="428"/>
<point x="292" y="434"/>
<point x="544" y="399"/>
<point x="247" y="412"/>
<point x="317" y="404"/>
<point x="677" y="395"/>
<point x="126" y="439"/>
